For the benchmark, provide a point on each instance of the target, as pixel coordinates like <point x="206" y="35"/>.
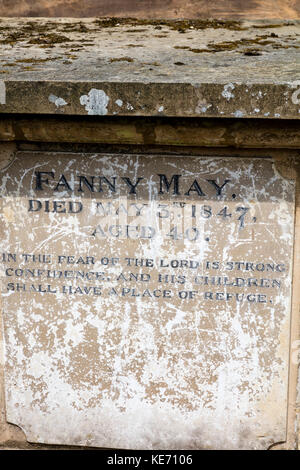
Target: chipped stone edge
<point x="286" y="168"/>
<point x="7" y="154"/>
<point x="10" y="433"/>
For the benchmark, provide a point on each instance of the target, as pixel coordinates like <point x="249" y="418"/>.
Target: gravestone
<point x="147" y="299"/>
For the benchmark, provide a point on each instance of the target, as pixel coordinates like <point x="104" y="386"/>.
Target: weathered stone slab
<point x="127" y="67"/>
<point x="146" y="299"/>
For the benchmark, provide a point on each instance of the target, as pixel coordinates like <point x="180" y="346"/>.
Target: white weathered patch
<point x="57" y="100"/>
<point x="2" y="348"/>
<point x="95" y="102"/>
<point x="2" y="92"/>
<point x="160" y="109"/>
<point x="238" y="113"/>
<point x="119" y="103"/>
<point x="202" y="107"/>
<point x="129" y="107"/>
<point x="227" y="92"/>
<point x="295" y="95"/>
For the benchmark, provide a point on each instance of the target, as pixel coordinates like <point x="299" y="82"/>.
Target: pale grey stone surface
<point x="248" y="69"/>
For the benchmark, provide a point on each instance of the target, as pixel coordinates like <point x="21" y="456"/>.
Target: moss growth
<point x="154" y="64"/>
<point x="35" y="61"/>
<point x="285" y="46"/>
<point x="275" y="25"/>
<point x="37" y="27"/>
<point x="28" y="67"/>
<point x="31" y="61"/>
<point x="75" y="27"/>
<point x="12" y="38"/>
<point x="263" y="40"/>
<point x="178" y="25"/>
<point x="135" y="30"/>
<point x="231" y="45"/>
<point x="122" y="59"/>
<point x="71" y="56"/>
<point x="108" y="22"/>
<point x="48" y="33"/>
<point x="198" y="51"/>
<point x="53" y="38"/>
<point x="35" y="32"/>
<point x="252" y="52"/>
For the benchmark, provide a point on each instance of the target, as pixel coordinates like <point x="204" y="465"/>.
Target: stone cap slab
<point x="130" y="67"/>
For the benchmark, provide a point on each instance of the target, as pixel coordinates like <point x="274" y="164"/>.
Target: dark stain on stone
<point x="154" y="64"/>
<point x="122" y="59"/>
<point x="49" y="39"/>
<point x="275" y="25"/>
<point x="75" y="27"/>
<point x="134" y="45"/>
<point x="252" y="52"/>
<point x="135" y="30"/>
<point x="263" y="40"/>
<point x="198" y="51"/>
<point x="231" y="45"/>
<point x="35" y="61"/>
<point x="28" y="68"/>
<point x="12" y="38"/>
<point x="179" y="25"/>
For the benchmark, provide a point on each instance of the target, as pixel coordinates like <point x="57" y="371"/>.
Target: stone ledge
<point x="175" y="132"/>
<point x="132" y="67"/>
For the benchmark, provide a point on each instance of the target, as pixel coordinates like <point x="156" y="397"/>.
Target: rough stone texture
<point x="170" y="133"/>
<point x="161" y="372"/>
<point x="123" y="67"/>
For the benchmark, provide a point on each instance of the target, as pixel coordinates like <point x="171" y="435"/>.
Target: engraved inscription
<point x="146" y="299"/>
